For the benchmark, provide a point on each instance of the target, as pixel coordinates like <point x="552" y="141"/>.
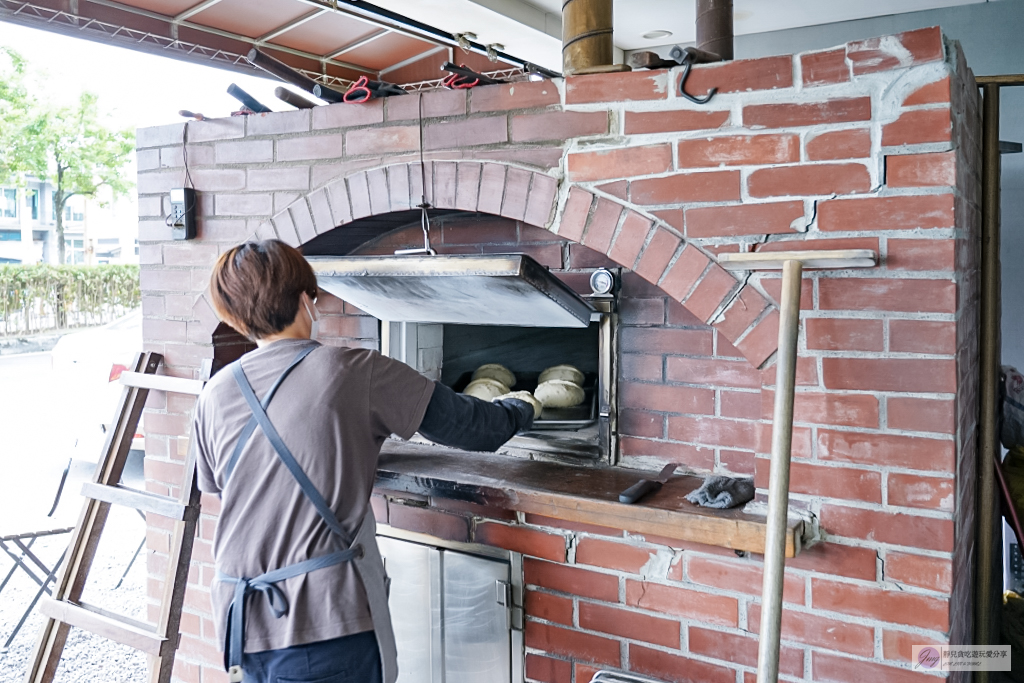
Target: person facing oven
<point x="288" y="437"/>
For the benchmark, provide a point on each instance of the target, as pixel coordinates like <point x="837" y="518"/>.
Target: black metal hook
<point x="687" y="58"/>
<point x="687" y="65"/>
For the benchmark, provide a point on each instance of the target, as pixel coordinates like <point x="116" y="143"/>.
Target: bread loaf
<point x="559" y="393"/>
<point x="485" y="389"/>
<point x="496" y="372"/>
<point x="563" y="372"/>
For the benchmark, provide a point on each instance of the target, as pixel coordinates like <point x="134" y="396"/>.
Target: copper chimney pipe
<point x="714" y="27"/>
<point x="587" y="37"/>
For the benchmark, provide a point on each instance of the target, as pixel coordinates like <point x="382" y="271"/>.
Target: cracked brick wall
<point x="873" y="144"/>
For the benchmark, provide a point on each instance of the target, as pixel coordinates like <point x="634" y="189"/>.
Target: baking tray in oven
<point x="577" y="417"/>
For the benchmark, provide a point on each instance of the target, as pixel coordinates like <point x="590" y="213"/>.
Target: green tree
<point x="15" y="111"/>
<point x="73" y="149"/>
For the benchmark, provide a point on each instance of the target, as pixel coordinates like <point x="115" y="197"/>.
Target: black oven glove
<point x="722" y="492"/>
<point x="468" y="423"/>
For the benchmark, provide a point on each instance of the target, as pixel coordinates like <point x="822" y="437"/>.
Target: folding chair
<point x="18" y="545"/>
<point x="21" y="534"/>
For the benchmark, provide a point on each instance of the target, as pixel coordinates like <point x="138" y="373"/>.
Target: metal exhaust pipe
<point x="587" y="37"/>
<point x="715" y="28"/>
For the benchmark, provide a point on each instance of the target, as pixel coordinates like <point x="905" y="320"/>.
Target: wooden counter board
<point x="576" y="494"/>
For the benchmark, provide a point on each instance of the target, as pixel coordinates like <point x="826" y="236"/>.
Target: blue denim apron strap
<point x="234" y="631"/>
<point x="322" y="508"/>
<point x="250" y="426"/>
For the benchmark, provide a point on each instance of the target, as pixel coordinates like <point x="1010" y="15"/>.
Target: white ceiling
<point x="531" y="29"/>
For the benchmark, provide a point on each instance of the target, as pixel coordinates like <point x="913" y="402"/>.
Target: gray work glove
<point x="722" y="492"/>
<point x="524" y="412"/>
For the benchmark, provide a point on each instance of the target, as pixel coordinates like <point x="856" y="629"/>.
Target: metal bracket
<point x="425" y="226"/>
<point x="687" y="57"/>
<point x="503" y="595"/>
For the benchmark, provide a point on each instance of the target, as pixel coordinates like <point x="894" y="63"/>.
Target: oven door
<point x="473" y="289"/>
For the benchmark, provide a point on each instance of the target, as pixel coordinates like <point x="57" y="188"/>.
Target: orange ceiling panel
<point x="302" y="33"/>
<point x="170" y="8"/>
<point x="326" y="34"/>
<point x="252" y="19"/>
<point x="387" y="50"/>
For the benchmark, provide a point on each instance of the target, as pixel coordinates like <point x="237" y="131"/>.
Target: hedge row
<point x="41" y="297"/>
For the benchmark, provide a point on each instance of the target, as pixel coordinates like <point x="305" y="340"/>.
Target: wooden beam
<point x="119" y="629"/>
<point x="774" y="260"/>
<point x="1003" y="79"/>
<point x="176" y="385"/>
<point x="171" y="508"/>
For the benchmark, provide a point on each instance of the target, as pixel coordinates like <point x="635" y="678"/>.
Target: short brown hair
<point x="256" y="287"/>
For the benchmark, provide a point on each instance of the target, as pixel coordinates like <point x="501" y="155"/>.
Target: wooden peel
<point x="792" y="264"/>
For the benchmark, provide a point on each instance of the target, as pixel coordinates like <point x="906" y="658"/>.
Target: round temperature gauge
<point x="602" y="281"/>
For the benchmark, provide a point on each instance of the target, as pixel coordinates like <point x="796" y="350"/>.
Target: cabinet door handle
<point x="503" y="593"/>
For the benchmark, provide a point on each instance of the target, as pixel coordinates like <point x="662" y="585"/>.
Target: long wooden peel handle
<point x="778" y="482"/>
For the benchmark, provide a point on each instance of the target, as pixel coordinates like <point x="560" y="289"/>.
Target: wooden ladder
<point x="64" y="608"/>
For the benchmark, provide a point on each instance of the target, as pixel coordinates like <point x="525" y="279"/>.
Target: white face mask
<point x="314" y="321"/>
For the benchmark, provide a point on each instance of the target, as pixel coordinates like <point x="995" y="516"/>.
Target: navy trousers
<point x="349" y="659"/>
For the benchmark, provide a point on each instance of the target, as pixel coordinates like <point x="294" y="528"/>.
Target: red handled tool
<point x="358" y="92"/>
<point x="462" y="77"/>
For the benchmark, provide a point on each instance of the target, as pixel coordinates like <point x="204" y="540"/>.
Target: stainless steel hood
<point x="473" y="289"/>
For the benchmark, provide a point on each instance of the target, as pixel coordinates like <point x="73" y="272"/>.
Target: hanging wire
<point x="169" y="219"/>
<point x="184" y="155"/>
<point x="424" y="204"/>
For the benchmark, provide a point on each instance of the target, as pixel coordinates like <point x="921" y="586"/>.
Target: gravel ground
<point x="45" y="418"/>
<point x="29" y="344"/>
<point x="87" y="658"/>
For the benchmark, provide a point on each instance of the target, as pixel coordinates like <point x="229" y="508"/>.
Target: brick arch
<point x="628" y="236"/>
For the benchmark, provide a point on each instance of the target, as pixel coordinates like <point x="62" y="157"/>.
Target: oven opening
<point x="527" y="351"/>
<point x="450" y="353"/>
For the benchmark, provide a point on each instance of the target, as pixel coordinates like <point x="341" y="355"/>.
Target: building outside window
<point x="29" y="209"/>
<point x="107" y="249"/>
<point x="74" y="209"/>
<point x="9" y="203"/>
<point x="74" y="251"/>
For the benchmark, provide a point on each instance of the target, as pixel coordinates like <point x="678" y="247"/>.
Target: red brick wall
<point x="858" y="146"/>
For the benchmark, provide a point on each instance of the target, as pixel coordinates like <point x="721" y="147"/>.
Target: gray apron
<point x="361" y="551"/>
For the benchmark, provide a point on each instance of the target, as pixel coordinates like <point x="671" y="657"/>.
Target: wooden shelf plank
<point x="576" y="494"/>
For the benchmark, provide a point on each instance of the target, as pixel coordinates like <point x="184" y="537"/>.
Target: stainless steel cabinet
<point x="453" y="615"/>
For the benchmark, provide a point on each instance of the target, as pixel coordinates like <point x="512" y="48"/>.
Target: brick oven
<point x="873" y="144"/>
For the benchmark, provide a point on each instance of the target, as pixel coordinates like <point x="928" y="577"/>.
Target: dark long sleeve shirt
<point x="468" y="423"/>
